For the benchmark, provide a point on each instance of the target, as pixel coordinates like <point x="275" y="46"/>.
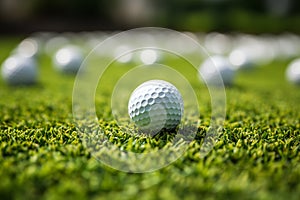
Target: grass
<point x="256" y="157"/>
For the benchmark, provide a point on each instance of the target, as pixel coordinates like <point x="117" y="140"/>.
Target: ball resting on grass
<point x="19" y="70"/>
<point x="156" y="105"/>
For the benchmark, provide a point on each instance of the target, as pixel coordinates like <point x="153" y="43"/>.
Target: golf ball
<point x="293" y="72"/>
<point x="29" y="47"/>
<point x="68" y="59"/>
<point x="156" y="105"/>
<point x="148" y="56"/>
<point x="239" y="59"/>
<point x="19" y="70"/>
<point x="217" y="70"/>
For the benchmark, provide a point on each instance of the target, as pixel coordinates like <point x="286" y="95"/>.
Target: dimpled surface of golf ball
<point x="156" y="105"/>
<point x="19" y="70"/>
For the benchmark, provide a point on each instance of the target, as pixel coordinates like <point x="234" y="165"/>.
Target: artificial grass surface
<point x="257" y="155"/>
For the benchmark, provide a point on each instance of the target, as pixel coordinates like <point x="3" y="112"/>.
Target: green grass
<point x="256" y="157"/>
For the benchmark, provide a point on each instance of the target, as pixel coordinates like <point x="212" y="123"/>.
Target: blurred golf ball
<point x="217" y="70"/>
<point x="122" y="54"/>
<point x="293" y="72"/>
<point x="148" y="56"/>
<point x="68" y="59"/>
<point x="156" y="105"/>
<point x="19" y="70"/>
<point x="29" y="47"/>
<point x="240" y="60"/>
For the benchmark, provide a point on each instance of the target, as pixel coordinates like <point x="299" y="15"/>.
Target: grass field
<point x="256" y="157"/>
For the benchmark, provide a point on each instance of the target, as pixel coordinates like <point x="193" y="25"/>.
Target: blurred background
<point x="255" y="16"/>
<point x="248" y="33"/>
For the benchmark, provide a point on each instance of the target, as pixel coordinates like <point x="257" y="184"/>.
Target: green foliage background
<point x="254" y="16"/>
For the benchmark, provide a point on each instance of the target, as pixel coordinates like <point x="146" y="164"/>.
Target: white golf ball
<point x="293" y="72"/>
<point x="156" y="105"/>
<point x="217" y="70"/>
<point x="29" y="47"/>
<point x="239" y="59"/>
<point x="122" y="54"/>
<point x="68" y="59"/>
<point x="149" y="56"/>
<point x="19" y="70"/>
